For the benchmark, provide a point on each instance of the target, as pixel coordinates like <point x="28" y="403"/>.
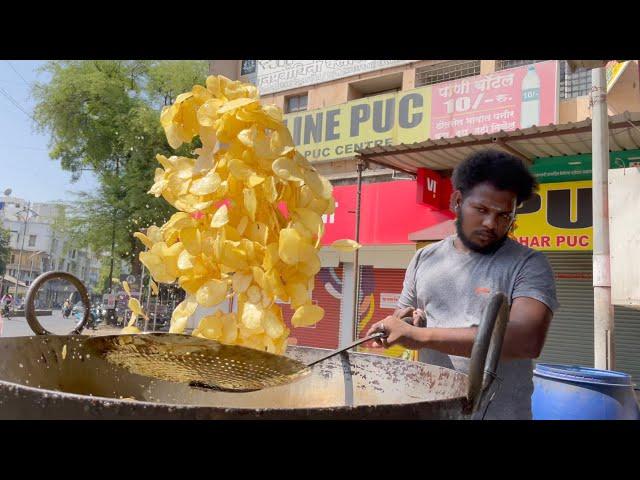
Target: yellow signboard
<point x="558" y="217"/>
<point x="342" y="130"/>
<point x="614" y="70"/>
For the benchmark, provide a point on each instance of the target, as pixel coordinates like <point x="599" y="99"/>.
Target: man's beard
<point x="466" y="241"/>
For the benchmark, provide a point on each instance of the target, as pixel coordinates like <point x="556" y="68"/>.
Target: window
<point x="576" y="84"/>
<point x="297" y="103"/>
<point x="445" y="71"/>
<point x="13" y="258"/>
<point x="504" y="64"/>
<point x="32" y="240"/>
<point x="383" y="92"/>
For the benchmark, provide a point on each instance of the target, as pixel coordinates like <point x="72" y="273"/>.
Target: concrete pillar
<point x="228" y="68"/>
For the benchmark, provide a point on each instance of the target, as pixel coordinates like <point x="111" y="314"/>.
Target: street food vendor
<point x="449" y="283"/>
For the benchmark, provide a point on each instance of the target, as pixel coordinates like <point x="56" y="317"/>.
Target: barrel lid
<point x="577" y="373"/>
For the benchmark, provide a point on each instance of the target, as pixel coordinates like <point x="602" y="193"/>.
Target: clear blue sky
<point x="24" y="160"/>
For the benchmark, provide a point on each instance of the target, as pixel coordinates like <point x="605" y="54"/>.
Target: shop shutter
<point x="570" y="337"/>
<point x="380" y="289"/>
<point x="327" y="293"/>
<point x="627" y="336"/>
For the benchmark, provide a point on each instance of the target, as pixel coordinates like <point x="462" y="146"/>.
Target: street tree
<point x="104" y="116"/>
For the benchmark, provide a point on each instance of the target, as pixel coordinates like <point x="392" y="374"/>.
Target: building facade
<point x="37" y="247"/>
<point x="336" y="108"/>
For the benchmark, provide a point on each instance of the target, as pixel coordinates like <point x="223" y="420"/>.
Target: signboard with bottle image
<point x="506" y="100"/>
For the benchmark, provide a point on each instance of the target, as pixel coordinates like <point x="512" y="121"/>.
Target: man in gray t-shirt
<point x="450" y="282"/>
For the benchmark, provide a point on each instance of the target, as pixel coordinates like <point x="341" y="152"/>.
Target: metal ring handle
<point x="30" y="308"/>
<point x="487" y="349"/>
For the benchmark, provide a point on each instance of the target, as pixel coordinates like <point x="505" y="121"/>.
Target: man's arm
<point x="524" y="337"/>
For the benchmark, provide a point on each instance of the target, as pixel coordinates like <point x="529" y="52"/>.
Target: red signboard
<point x="388" y="213"/>
<point x="433" y="189"/>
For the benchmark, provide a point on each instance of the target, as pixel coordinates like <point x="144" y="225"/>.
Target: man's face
<point x="484" y="217"/>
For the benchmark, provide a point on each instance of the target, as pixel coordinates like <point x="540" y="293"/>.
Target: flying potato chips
<point x="230" y="237"/>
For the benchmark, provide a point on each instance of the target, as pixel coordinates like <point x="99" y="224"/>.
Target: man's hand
<point x="396" y="332"/>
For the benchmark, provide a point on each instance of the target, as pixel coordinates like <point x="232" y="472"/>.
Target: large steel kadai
<point x="72" y="377"/>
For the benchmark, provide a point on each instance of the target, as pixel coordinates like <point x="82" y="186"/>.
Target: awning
<point x="528" y="144"/>
<point x="434" y="232"/>
<point x="12" y="280"/>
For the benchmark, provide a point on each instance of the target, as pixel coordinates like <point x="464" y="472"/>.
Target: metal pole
<point x="356" y="258"/>
<point x="603" y="320"/>
<point x="24" y="234"/>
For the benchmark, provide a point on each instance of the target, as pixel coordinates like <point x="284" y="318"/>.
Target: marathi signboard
<point x="271" y="76"/>
<point x="578" y="167"/>
<point x="558" y="217"/>
<point x="506" y="100"/>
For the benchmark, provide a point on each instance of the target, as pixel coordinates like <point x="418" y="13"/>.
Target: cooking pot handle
<point x="486" y="350"/>
<point x="30" y="308"/>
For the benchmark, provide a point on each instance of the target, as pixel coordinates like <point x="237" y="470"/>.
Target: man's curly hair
<point x="503" y="171"/>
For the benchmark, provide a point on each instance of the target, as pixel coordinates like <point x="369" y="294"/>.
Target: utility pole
<point x="603" y="313"/>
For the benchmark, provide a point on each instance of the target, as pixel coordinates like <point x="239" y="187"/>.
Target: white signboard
<point x="109" y="300"/>
<point x="272" y="76"/>
<point x="389" y="300"/>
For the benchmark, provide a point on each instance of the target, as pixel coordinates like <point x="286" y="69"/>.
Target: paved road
<point x="18" y="326"/>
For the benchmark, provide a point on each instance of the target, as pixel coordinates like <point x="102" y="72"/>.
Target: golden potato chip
<point x="345" y="245"/>
<point x="144" y="239"/>
<point x="205" y="185"/>
<point x="133" y="320"/>
<point x="298" y="294"/>
<point x="307" y="315"/>
<point x="251" y="316"/>
<point x="129" y="330"/>
<point x="212" y="293"/>
<point x="126" y="288"/>
<point x="185" y="260"/>
<point x="135" y="307"/>
<point x="250" y="202"/>
<point x="241" y="281"/>
<point x="286" y="169"/>
<point x="220" y="218"/>
<point x="272" y="325"/>
<point x="289" y="246"/>
<point x="191" y="240"/>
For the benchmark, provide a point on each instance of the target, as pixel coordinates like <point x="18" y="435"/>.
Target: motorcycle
<point x="7" y="311"/>
<point x="93" y="321"/>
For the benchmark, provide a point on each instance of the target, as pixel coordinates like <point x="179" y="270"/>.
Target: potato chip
<point x="229" y="231"/>
<point x="191" y="240"/>
<point x="345" y="245"/>
<point x="272" y="325"/>
<point x="298" y="294"/>
<point x="221" y="217"/>
<point x="250" y="202"/>
<point x="307" y="315"/>
<point x="135" y="307"/>
<point x="251" y="316"/>
<point x="241" y="281"/>
<point x="212" y="293"/>
<point x="205" y="185"/>
<point x="289" y="246"/>
<point x="133" y="320"/>
<point x="129" y="330"/>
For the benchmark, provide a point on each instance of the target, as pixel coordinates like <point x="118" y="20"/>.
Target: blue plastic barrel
<point x="572" y="392"/>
